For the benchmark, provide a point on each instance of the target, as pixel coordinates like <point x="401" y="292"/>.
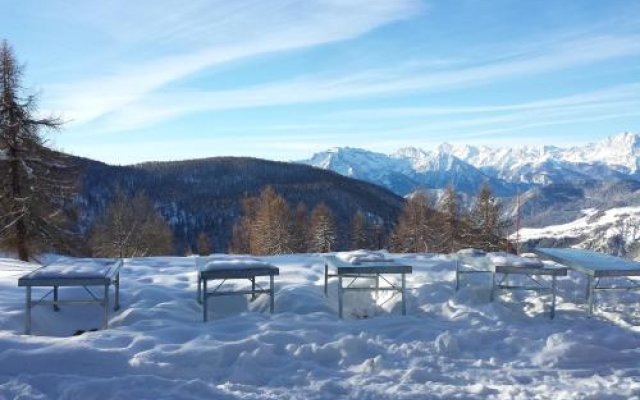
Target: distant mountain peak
<point x="619" y="152"/>
<point x="408" y="152"/>
<point x="445" y="148"/>
<point x="625" y="142"/>
<point x="617" y="156"/>
<point x="406" y="169"/>
<point x="628" y="138"/>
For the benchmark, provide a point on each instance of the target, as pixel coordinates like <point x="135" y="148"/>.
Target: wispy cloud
<point x="476" y="122"/>
<point x="436" y="124"/>
<point x="582" y="101"/>
<point x="180" y="39"/>
<point x="384" y="82"/>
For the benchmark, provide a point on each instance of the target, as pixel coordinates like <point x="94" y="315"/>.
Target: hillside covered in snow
<point x="614" y="231"/>
<point x="451" y="345"/>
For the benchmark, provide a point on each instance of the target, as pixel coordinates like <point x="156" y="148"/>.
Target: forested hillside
<point x="205" y="195"/>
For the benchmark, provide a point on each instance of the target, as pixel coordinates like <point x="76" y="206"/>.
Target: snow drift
<point x="451" y="345"/>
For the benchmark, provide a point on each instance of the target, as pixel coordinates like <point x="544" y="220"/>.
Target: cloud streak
<point x="205" y="34"/>
<point x="385" y="82"/>
<point x="613" y="95"/>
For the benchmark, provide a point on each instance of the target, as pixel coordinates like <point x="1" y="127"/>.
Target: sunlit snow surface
<point x="451" y="345"/>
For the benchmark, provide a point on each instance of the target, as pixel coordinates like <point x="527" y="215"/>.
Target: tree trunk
<point x="21" y="228"/>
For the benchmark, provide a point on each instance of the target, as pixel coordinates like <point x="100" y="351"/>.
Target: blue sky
<point x="281" y="79"/>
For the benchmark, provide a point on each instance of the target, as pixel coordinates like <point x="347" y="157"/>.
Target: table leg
<point x="55" y="299"/>
<point x="116" y="286"/>
<point x="340" y="296"/>
<point x="253" y="288"/>
<point x="205" y="300"/>
<point x="553" y="297"/>
<point x="586" y="294"/>
<point x="272" y="294"/>
<point x="404" y="298"/>
<point x="27" y="313"/>
<point x="457" y="275"/>
<point x="326" y="278"/>
<point x="105" y="323"/>
<point x="493" y="286"/>
<point x="378" y="286"/>
<point x="199" y="288"/>
<point x="591" y="295"/>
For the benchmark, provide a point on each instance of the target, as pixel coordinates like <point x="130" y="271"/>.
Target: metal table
<point x="366" y="269"/>
<point x="597" y="267"/>
<point x="503" y="266"/>
<point x="467" y="263"/>
<point x="82" y="272"/>
<point x="225" y="268"/>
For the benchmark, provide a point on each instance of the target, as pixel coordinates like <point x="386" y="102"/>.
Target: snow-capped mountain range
<point x="504" y="168"/>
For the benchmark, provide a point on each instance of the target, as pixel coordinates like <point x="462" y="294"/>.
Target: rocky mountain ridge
<point x="506" y="169"/>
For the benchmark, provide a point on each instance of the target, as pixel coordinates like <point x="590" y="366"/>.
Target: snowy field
<point x="451" y="345"/>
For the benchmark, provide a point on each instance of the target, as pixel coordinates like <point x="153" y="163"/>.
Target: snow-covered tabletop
<point x="490" y="261"/>
<point x="503" y="259"/>
<point x="591" y="262"/>
<point x="364" y="256"/>
<point x="222" y="265"/>
<point x="471" y="252"/>
<point x="365" y="266"/>
<point x="70" y="269"/>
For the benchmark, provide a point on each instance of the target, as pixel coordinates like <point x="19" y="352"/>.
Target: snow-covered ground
<point x="615" y="231"/>
<point x="621" y="221"/>
<point x="451" y="345"/>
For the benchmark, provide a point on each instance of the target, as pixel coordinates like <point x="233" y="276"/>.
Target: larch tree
<point x="359" y="231"/>
<point x="299" y="233"/>
<point x="451" y="226"/>
<point x="414" y="232"/>
<point x="203" y="244"/>
<point x="131" y="227"/>
<point x="271" y="230"/>
<point x="241" y="234"/>
<point x="378" y="238"/>
<point x="487" y="227"/>
<point x="37" y="183"/>
<point x="239" y="243"/>
<point x="322" y="230"/>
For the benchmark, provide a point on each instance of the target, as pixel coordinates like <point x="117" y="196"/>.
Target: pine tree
<point x="203" y="244"/>
<point x="487" y="227"/>
<point x="359" y="232"/>
<point x="414" y="232"/>
<point x="37" y="183"/>
<point x="322" y="230"/>
<point x="131" y="227"/>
